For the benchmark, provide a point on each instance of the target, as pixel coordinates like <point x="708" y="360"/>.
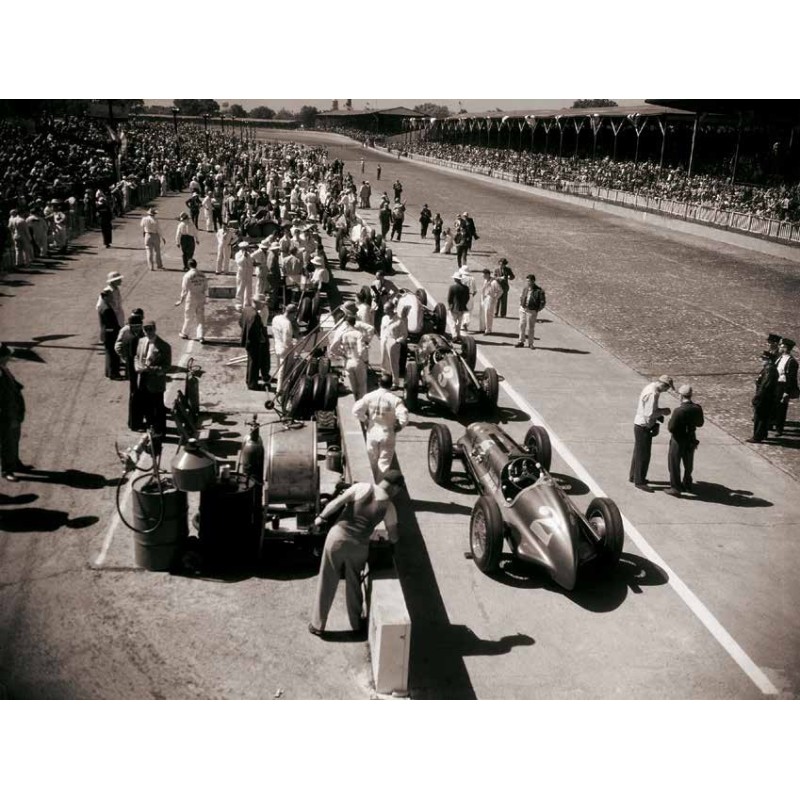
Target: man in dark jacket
<point x="425" y="218"/>
<point x="471" y="234"/>
<point x="398" y="215"/>
<point x="504" y="274"/>
<point x="385" y="218"/>
<point x="683" y="423"/>
<point x="111" y="329"/>
<point x="104" y="217"/>
<point x="12" y="415"/>
<point x="787" y="389"/>
<point x="457" y="300"/>
<point x="764" y="398"/>
<point x="153" y="360"/>
<point x="255" y="341"/>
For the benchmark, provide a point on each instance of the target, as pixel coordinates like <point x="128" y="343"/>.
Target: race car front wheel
<point x="491" y="388"/>
<point x="469" y="351"/>
<point x="605" y="519"/>
<point x="537" y="443"/>
<point x="486" y="535"/>
<point x="412" y="385"/>
<point x="439" y="318"/>
<point x="440" y="454"/>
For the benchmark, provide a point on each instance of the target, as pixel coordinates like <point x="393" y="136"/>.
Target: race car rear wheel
<point x="330" y="393"/>
<point x="440" y="454"/>
<point x="343" y="257"/>
<point x="412" y="385"/>
<point x="605" y="519"/>
<point x="378" y="240"/>
<point x="486" y="535"/>
<point x="469" y="351"/>
<point x="302" y="399"/>
<point x="491" y="388"/>
<point x="537" y="443"/>
<point x="403" y="356"/>
<point x="439" y="318"/>
<point x="422" y="296"/>
<point x="315" y="305"/>
<point x="304" y="311"/>
<point x="388" y="258"/>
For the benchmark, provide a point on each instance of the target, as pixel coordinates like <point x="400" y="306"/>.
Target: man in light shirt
<point x="244" y="277"/>
<point x="350" y="346"/>
<point x="193" y="295"/>
<point x="283" y="333"/>
<point x="153" y="239"/>
<point x="225" y="237"/>
<point x="645" y="422"/>
<point x="788" y="389"/>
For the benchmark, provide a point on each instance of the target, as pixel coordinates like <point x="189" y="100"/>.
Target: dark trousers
<point x="397" y="228"/>
<point x="258" y="365"/>
<point x="195" y="215"/>
<point x="105" y="227"/>
<point x="217" y="217"/>
<point x="10" y="432"/>
<point x="680" y="453"/>
<point x="135" y="416"/>
<point x="779" y="418"/>
<point x="502" y="303"/>
<point x="761" y="419"/>
<point x="461" y="254"/>
<point x="187" y="249"/>
<point x="640" y="463"/>
<point x="151" y="405"/>
<point x="112" y="359"/>
<point x="423" y="229"/>
<point x="385" y="228"/>
<point x="437" y="238"/>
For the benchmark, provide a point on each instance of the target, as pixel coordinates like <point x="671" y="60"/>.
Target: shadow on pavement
<point x="717" y="493"/>
<point x="570" y="484"/>
<point x="40" y="520"/>
<point x="567" y="350"/>
<point x="73" y="478"/>
<point x="595" y="592"/>
<point x="17" y="500"/>
<point x="434" y="507"/>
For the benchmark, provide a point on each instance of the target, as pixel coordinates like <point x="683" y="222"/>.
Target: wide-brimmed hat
<point x="183" y="215"/>
<point x="243" y="245"/>
<point x="152" y="211"/>
<point x="114" y="277"/>
<point x="259" y="298"/>
<point x="666" y="379"/>
<point x="788" y="343"/>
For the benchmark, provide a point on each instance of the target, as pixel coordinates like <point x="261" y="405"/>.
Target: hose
<point x="156" y="470"/>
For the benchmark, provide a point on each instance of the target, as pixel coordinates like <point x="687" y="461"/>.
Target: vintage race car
<point x="419" y="318"/>
<point x="521" y="502"/>
<point x="447" y="375"/>
<point x="364" y="247"/>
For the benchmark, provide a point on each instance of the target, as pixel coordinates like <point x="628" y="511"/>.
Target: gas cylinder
<point x="252" y="457"/>
<point x="192" y="468"/>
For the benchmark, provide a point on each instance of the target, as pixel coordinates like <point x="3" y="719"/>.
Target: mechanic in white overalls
<point x="283" y="334"/>
<point x="350" y="346"/>
<point x="244" y="277"/>
<point x="394" y="331"/>
<point x="469" y="282"/>
<point x="193" y="296"/>
<point x="347" y="545"/>
<point x="225" y="237"/>
<point x="384" y="414"/>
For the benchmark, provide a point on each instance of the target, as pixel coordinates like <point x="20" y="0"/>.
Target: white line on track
<point x="125" y="500"/>
<point x="696" y="606"/>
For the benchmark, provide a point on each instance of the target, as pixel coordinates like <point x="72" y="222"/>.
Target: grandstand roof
<point x="603" y="111"/>
<point x="399" y="111"/>
<point x="781" y="109"/>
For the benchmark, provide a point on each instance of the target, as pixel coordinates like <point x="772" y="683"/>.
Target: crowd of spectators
<point x="709" y="188"/>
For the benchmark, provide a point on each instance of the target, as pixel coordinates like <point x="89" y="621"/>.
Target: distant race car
<point x="363" y="246"/>
<point x="446" y="373"/>
<point x="522" y="503"/>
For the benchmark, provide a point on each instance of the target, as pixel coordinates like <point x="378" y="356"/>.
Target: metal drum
<point x="292" y="474"/>
<point x="157" y="549"/>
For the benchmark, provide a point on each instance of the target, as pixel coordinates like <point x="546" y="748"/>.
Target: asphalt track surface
<point x="67" y="630"/>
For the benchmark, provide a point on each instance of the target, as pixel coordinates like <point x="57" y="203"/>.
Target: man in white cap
<point x="457" y="300"/>
<point x="384" y="414"/>
<point x="645" y="427"/>
<point x="350" y="346"/>
<point x="225" y="236"/>
<point x="683" y="425"/>
<point x="260" y="265"/>
<point x="153" y="239"/>
<point x="321" y="276"/>
<point x="244" y="277"/>
<point x="193" y="295"/>
<point x="284" y="330"/>
<point x="207" y="204"/>
<point x="114" y="281"/>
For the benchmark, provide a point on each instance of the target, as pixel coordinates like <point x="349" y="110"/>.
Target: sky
<point x="453" y="105"/>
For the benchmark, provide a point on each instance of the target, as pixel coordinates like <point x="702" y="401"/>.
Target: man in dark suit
<point x="256" y="342"/>
<point x="12" y="415"/>
<point x="683" y="424"/>
<point x="764" y="398"/>
<point x="787" y="388"/>
<point x="153" y="360"/>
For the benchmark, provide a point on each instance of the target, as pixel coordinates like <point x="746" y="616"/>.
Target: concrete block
<point x="389" y="635"/>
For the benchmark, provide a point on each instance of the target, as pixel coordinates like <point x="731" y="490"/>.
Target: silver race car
<point x="447" y="375"/>
<point x="522" y="503"/>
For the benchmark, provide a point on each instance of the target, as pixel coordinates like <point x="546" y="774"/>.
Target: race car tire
<point x="330" y="394"/>
<point x="343" y="257"/>
<point x="422" y="296"/>
<point x="388" y="260"/>
<point x="302" y="399"/>
<point x="315" y="304"/>
<point x="379" y="241"/>
<point x="318" y="391"/>
<point x="304" y="311"/>
<point x="323" y="366"/>
<point x="439" y="318"/>
<point x="537" y="443"/>
<point x="486" y="535"/>
<point x="469" y="351"/>
<point x="491" y="388"/>
<point x="403" y="357"/>
<point x="440" y="454"/>
<point x="604" y="517"/>
<point x="412" y="386"/>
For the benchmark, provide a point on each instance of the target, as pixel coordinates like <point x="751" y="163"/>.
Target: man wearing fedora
<point x="787" y="388"/>
<point x="153" y="239"/>
<point x="764" y="398"/>
<point x="645" y="427"/>
<point x="12" y="415"/>
<point x="255" y="341"/>
<point x="153" y="360"/>
<point x="683" y="425"/>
